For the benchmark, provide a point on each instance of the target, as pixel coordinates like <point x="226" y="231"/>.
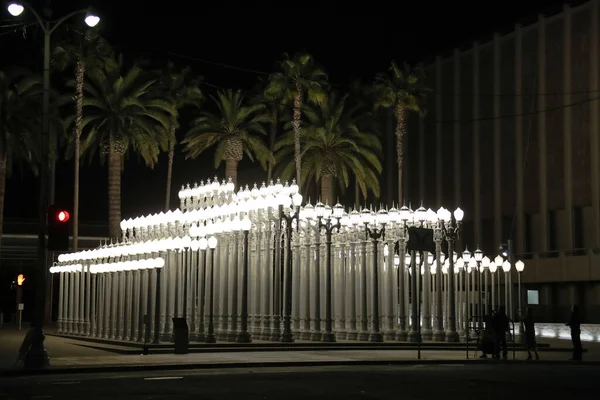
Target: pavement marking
<point x="163" y="378"/>
<point x="65" y="383"/>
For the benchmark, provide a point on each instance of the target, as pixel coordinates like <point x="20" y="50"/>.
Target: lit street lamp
<point x="210" y="335"/>
<point x="519" y="266"/>
<point x="326" y="213"/>
<point x="36" y="356"/>
<point x="243" y="336"/>
<point x="375" y="230"/>
<point x="450" y="225"/>
<point x="493" y="268"/>
<point x="289" y="215"/>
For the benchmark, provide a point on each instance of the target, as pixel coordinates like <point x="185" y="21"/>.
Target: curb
<point x="173" y="367"/>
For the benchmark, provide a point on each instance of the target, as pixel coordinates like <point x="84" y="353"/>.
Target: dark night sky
<point x="348" y="42"/>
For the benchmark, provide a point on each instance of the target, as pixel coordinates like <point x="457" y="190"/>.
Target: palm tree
<point x="89" y="54"/>
<point x="334" y="146"/>
<point x="275" y="106"/>
<point x="20" y="106"/>
<point x="300" y="79"/>
<point x="402" y="91"/>
<point x="180" y="91"/>
<point x="122" y="115"/>
<point x="235" y="131"/>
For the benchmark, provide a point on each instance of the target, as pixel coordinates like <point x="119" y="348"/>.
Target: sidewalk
<point x="69" y="356"/>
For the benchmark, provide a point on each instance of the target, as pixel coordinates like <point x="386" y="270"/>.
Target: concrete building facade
<point x="511" y="135"/>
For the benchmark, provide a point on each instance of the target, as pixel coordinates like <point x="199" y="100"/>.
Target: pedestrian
<point x="530" y="342"/>
<point x="575" y="325"/>
<point x="488" y="336"/>
<point x="501" y="327"/>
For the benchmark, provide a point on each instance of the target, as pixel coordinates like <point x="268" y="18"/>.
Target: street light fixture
<point x="375" y="230"/>
<point x="288" y="215"/>
<point x="450" y="225"/>
<point x="325" y="212"/>
<point x="36" y="356"/>
<point x="210" y="336"/>
<point x="15" y="9"/>
<point x="519" y="266"/>
<point x="243" y="336"/>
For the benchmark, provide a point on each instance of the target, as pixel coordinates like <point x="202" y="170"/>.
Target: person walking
<point x="530" y="342"/>
<point x="575" y="325"/>
<point x="501" y="325"/>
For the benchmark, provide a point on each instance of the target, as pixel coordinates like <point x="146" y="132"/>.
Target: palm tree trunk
<point x="170" y="171"/>
<point x="114" y="193"/>
<point x="79" y="77"/>
<point x="231" y="170"/>
<point x="296" y="123"/>
<point x="272" y="137"/>
<point x="400" y="133"/>
<point x="327" y="189"/>
<point x="2" y="193"/>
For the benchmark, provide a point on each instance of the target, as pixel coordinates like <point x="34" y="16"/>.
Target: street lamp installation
<point x="36" y="356"/>
<point x="325" y="212"/>
<point x="289" y="212"/>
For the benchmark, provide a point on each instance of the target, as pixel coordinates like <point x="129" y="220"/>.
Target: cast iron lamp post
<point x="375" y="230"/>
<point x="325" y="212"/>
<point x="36" y="356"/>
<point x="288" y="215"/>
<point x="450" y="226"/>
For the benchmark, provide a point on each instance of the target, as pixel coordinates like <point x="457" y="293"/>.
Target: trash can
<point x="181" y="336"/>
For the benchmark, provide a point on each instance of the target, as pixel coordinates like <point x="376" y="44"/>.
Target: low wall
<point x="589" y="332"/>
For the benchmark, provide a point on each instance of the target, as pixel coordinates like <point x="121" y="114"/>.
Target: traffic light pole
<point x="37" y="356"/>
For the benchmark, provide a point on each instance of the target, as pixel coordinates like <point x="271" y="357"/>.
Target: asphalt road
<point x="446" y="382"/>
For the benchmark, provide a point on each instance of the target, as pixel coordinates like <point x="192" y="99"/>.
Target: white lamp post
<point x="506" y="269"/>
<point x="519" y="266"/>
<point x="493" y="269"/>
<point x="210" y="336"/>
<point x="243" y="336"/>
<point x="485" y="265"/>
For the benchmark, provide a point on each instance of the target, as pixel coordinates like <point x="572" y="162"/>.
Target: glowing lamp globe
<point x="15" y="9"/>
<point x="92" y="20"/>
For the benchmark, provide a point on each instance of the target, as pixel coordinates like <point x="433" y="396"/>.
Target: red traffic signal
<point x="62" y="216"/>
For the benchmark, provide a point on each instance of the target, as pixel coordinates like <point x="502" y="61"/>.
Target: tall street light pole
<point x="210" y="335"/>
<point x="325" y="212"/>
<point x="375" y="232"/>
<point x="288" y="216"/>
<point x="36" y="356"/>
<point x="450" y="225"/>
<point x="243" y="336"/>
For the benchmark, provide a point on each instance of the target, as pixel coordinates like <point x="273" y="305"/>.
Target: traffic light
<point x="20" y="279"/>
<point x="58" y="228"/>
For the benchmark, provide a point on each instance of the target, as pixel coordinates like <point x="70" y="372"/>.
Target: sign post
<point x="21" y="307"/>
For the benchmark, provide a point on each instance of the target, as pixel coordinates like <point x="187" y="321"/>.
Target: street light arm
<point x="58" y="22"/>
<point x="37" y="16"/>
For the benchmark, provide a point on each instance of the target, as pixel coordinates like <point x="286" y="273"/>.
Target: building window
<point x="533" y="297"/>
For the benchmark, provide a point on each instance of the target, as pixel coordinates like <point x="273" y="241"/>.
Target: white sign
<point x="21" y="307"/>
